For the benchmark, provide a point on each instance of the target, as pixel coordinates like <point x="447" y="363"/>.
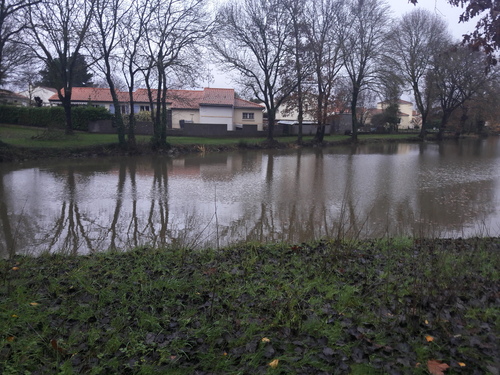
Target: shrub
<point x="9" y="114"/>
<point x="83" y="115"/>
<point x="46" y="117"/>
<point x="52" y="117"/>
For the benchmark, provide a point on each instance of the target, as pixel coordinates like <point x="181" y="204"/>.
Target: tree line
<point x="319" y="57"/>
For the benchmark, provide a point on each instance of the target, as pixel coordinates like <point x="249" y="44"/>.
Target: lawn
<point x="389" y="306"/>
<point x="41" y="138"/>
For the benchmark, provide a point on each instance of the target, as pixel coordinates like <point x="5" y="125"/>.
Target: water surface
<point x="79" y="206"/>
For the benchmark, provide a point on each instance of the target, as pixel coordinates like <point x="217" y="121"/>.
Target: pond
<point x="450" y="189"/>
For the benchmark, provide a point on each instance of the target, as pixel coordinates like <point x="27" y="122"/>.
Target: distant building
<point x="405" y="113"/>
<point x="11" y="98"/>
<point x="207" y="106"/>
<point x="42" y="93"/>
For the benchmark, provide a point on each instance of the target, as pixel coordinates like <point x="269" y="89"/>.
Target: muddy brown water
<point x="451" y="189"/>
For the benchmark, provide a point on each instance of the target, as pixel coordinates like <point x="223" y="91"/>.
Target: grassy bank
<point x="372" y="307"/>
<point x="27" y="143"/>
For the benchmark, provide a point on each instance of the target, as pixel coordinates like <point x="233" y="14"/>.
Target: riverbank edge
<point x="381" y="306"/>
<point x="10" y="153"/>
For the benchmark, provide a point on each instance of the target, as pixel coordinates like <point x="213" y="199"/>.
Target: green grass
<point x="31" y="137"/>
<point x="357" y="307"/>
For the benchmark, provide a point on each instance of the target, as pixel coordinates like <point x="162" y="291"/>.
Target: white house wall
<point x="190" y="115"/>
<point x="257" y="120"/>
<point x="217" y="115"/>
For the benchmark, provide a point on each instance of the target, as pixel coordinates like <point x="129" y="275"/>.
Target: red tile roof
<point x="92" y="94"/>
<point x="400" y="101"/>
<point x="240" y="103"/>
<point x="178" y="99"/>
<point x="224" y="97"/>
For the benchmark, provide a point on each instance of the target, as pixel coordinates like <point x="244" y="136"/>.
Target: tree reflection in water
<point x="281" y="195"/>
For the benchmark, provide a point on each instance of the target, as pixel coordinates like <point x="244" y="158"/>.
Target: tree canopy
<point x="486" y="36"/>
<point x="50" y="75"/>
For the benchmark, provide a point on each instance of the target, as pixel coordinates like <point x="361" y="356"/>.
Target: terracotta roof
<point x="93" y="94"/>
<point x="178" y="99"/>
<point x="240" y="103"/>
<point x="192" y="99"/>
<point x="400" y="101"/>
<point x="11" y="95"/>
<point x="224" y="97"/>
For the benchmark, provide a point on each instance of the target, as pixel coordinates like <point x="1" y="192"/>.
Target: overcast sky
<point x="399" y="7"/>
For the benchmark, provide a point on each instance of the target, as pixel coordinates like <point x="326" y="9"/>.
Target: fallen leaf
<point x="429" y="338"/>
<point x="210" y="271"/>
<point x="10" y="338"/>
<point x="461" y="364"/>
<point x="54" y="344"/>
<point x="274" y="363"/>
<point x="426" y="321"/>
<point x="224" y="354"/>
<point x="15" y="268"/>
<point x="436" y="367"/>
<point x="14" y="316"/>
<point x="265" y="339"/>
<point x="34" y="303"/>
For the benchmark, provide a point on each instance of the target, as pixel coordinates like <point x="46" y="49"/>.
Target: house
<point x="405" y="113"/>
<point x="207" y="106"/>
<point x="42" y="93"/>
<point x="11" y="98"/>
<point x="93" y="96"/>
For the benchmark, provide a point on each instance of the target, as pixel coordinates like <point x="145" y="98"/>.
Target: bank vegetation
<point x="388" y="306"/>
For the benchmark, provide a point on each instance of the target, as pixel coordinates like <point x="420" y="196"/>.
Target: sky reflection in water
<point x="79" y="206"/>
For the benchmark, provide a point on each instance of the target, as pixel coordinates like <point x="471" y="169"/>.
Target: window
<point x="248" y="116"/>
<point x="144" y="108"/>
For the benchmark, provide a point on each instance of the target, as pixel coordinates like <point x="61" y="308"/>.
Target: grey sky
<point x="399" y="7"/>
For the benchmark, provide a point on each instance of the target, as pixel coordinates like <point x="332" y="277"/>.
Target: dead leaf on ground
<point x="429" y="338"/>
<point x="436" y="367"/>
<point x="56" y="346"/>
<point x="274" y="363"/>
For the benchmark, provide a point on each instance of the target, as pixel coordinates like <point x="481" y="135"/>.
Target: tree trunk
<point x="354" y="119"/>
<point x="320" y="131"/>
<point x="271" y="116"/>
<point x="442" y="127"/>
<point x="120" y="126"/>
<point x="66" y="102"/>
<point x="131" y="121"/>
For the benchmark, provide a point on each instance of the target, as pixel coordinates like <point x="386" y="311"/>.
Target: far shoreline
<point x="12" y="153"/>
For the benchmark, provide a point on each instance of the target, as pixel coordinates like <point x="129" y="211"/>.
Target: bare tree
<point x="11" y="24"/>
<point x="415" y="42"/>
<point x="106" y="36"/>
<point x="133" y="57"/>
<point x="326" y="22"/>
<point x="252" y="38"/>
<point x="486" y="35"/>
<point x="300" y="54"/>
<point x="484" y="106"/>
<point x="56" y="33"/>
<point x="175" y="27"/>
<point x="363" y="47"/>
<point x="458" y="75"/>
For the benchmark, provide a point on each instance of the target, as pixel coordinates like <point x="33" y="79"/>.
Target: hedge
<point x="52" y="117"/>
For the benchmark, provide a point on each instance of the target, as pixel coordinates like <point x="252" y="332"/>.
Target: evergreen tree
<point x="51" y="76"/>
